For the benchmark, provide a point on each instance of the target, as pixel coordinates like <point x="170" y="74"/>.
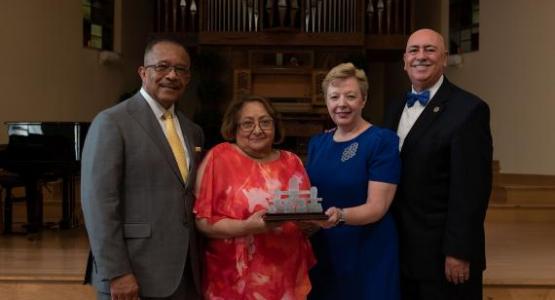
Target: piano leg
<point x="33" y="195"/>
<point x="68" y="202"/>
<point x="8" y="210"/>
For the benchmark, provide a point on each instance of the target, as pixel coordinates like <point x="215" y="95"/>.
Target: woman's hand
<point x="229" y="228"/>
<point x="333" y="214"/>
<point x="380" y="196"/>
<point x="255" y="223"/>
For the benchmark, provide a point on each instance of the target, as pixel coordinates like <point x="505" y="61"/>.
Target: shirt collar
<point x="433" y="90"/>
<point x="158" y="109"/>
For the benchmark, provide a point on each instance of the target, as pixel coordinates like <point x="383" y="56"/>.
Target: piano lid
<point x="46" y="141"/>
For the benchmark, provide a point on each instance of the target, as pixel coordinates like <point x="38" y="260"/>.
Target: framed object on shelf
<point x="318" y="98"/>
<point x="281" y="60"/>
<point x="242" y="83"/>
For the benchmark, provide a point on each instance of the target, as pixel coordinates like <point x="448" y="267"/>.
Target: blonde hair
<point x="345" y="71"/>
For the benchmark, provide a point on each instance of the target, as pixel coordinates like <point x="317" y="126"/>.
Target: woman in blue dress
<point x="356" y="169"/>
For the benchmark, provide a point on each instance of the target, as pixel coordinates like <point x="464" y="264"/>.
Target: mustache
<point x="169" y="84"/>
<point x="421" y="64"/>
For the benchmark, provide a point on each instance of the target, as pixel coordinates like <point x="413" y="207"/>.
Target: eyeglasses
<point x="165" y="69"/>
<point x="264" y="124"/>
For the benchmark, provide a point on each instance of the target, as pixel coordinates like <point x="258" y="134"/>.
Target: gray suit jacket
<point x="137" y="209"/>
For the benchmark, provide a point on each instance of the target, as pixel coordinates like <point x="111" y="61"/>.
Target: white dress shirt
<point x="159" y="111"/>
<point x="411" y="114"/>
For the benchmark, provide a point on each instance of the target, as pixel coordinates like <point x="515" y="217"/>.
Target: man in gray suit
<point x="136" y="187"/>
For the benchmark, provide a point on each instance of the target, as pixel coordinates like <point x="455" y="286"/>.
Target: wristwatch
<point x="341" y="218"/>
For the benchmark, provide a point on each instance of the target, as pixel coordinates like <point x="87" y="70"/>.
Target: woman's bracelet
<point x="341" y="217"/>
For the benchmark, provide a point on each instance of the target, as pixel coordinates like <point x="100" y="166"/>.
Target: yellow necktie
<point x="177" y="148"/>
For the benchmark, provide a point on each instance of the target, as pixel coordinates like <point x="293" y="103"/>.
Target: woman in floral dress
<point x="246" y="257"/>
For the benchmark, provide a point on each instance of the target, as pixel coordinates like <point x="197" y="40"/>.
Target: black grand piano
<point x="42" y="151"/>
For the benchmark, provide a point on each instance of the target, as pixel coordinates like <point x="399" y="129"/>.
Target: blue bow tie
<point x="421" y="97"/>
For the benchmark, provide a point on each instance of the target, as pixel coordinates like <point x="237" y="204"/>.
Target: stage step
<point x="521" y="194"/>
<point x="45" y="291"/>
<point x="518" y="293"/>
<point x="533" y="213"/>
<point x="522" y="198"/>
<point x="39" y="277"/>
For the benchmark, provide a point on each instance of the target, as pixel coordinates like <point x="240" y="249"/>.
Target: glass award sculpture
<point x="295" y="205"/>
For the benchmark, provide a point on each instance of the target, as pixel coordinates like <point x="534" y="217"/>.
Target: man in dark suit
<point x="138" y="171"/>
<point x="441" y="201"/>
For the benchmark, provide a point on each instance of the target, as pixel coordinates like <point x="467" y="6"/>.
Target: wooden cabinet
<point x="287" y="78"/>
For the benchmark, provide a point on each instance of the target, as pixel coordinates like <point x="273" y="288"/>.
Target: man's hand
<point x="456" y="270"/>
<point x="124" y="287"/>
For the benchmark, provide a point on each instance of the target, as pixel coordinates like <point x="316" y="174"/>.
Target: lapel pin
<point x="198" y="149"/>
<point x="436" y="109"/>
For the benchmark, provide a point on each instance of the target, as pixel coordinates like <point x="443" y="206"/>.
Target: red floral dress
<point x="271" y="265"/>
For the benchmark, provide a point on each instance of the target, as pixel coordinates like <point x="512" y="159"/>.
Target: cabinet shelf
<point x="276" y="70"/>
<point x="385" y="42"/>
<point x="281" y="38"/>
